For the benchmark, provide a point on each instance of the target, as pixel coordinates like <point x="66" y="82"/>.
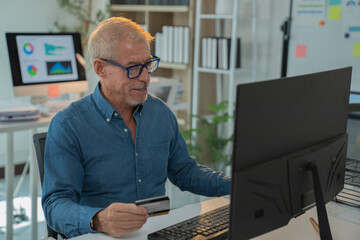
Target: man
<point x="117" y="145"/>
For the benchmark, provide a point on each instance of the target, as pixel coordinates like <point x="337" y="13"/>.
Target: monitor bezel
<point x="326" y="95"/>
<point x="17" y="79"/>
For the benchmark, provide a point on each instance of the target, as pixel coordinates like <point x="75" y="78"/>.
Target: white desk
<point x="344" y="221"/>
<point x="9" y="129"/>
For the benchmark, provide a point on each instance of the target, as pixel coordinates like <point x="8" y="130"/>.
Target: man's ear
<point x="99" y="67"/>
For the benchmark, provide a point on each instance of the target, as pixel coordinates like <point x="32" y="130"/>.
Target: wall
<point x="29" y="16"/>
<point x="270" y="15"/>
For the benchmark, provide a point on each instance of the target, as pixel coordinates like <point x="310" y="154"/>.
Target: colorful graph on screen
<point x="31" y="69"/>
<point x="51" y="49"/>
<point x="56" y="68"/>
<point x="351" y="3"/>
<point x="28" y="48"/>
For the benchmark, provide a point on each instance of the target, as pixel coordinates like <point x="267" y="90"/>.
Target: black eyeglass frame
<point x="154" y="59"/>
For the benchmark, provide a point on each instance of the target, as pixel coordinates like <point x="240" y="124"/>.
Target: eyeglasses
<point x="135" y="70"/>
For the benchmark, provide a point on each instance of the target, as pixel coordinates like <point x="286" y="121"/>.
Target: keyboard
<point x="211" y="225"/>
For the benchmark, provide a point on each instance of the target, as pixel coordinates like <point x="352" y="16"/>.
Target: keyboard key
<point x="212" y="223"/>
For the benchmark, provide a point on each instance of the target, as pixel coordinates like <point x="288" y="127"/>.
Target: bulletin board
<point x="325" y="34"/>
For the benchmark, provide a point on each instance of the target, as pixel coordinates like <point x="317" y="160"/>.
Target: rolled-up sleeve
<point x="187" y="174"/>
<point x="63" y="181"/>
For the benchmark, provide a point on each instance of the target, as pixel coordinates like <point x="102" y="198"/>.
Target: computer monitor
<point x="289" y="141"/>
<point x="165" y="89"/>
<point x="42" y="62"/>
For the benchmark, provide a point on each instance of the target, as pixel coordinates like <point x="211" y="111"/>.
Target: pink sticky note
<point x="53" y="91"/>
<point x="300" y="51"/>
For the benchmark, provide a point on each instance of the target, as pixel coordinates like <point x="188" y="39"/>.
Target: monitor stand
<point x="38" y="100"/>
<point x="44" y="99"/>
<point x="325" y="232"/>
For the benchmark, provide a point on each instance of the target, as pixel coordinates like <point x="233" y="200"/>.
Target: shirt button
<point x="108" y="119"/>
<point x="140" y="114"/>
<point x="125" y="130"/>
<point x="115" y="114"/>
<point x="136" y="154"/>
<point x="139" y="180"/>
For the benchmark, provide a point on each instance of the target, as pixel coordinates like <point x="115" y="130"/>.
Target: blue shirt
<point x="92" y="161"/>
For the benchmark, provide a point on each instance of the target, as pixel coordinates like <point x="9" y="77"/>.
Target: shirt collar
<point x="106" y="109"/>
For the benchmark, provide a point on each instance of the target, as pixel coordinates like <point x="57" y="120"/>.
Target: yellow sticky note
<point x="335" y="13"/>
<point x="356" y="51"/>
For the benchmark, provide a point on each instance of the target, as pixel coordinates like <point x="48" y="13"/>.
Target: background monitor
<point x="281" y="126"/>
<point x="44" y="61"/>
<point x="165" y="89"/>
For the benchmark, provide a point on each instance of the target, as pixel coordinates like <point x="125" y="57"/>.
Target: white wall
<point x="29" y="16"/>
<point x="270" y="15"/>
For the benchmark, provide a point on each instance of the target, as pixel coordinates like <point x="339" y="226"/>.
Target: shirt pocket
<point x="159" y="161"/>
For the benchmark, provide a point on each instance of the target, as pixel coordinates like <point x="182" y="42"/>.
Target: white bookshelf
<point x="154" y="17"/>
<point x="231" y="73"/>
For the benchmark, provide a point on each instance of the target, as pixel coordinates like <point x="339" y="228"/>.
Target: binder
<point x="204" y="53"/>
<point x="186" y="44"/>
<point x="238" y="53"/>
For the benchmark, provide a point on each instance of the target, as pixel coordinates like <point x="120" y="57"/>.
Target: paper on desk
<point x="14" y="103"/>
<point x="17" y="110"/>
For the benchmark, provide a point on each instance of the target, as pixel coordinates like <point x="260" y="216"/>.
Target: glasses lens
<point x="135" y="71"/>
<point x="152" y="66"/>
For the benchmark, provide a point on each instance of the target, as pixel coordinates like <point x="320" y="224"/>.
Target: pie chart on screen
<point x="28" y="48"/>
<point x="32" y="70"/>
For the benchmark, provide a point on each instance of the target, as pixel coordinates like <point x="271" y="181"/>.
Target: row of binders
<point x="216" y="51"/>
<point x="172" y="44"/>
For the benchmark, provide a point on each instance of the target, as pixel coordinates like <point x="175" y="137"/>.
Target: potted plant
<point x="214" y="149"/>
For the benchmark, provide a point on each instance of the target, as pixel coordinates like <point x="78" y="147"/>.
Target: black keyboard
<point x="211" y="225"/>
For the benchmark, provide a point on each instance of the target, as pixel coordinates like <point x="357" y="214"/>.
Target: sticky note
<point x="334" y="2"/>
<point x="53" y="91"/>
<point x="300" y="51"/>
<point x="356" y="51"/>
<point x="335" y="13"/>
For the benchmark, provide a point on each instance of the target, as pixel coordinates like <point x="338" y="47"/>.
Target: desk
<point x="343" y="226"/>
<point x="9" y="129"/>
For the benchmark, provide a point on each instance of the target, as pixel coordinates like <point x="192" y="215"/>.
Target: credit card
<point x="155" y="206"/>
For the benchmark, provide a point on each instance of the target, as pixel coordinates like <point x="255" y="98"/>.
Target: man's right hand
<point x="120" y="218"/>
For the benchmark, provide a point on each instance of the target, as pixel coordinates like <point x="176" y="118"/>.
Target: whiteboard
<point x="325" y="34"/>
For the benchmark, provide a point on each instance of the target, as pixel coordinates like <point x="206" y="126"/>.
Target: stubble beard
<point x="132" y="102"/>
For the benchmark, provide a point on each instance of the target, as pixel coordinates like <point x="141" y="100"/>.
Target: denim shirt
<point x="92" y="161"/>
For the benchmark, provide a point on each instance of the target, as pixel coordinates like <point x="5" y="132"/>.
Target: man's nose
<point x="144" y="75"/>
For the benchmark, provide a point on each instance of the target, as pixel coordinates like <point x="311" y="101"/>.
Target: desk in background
<point x="9" y="128"/>
<point x="344" y="222"/>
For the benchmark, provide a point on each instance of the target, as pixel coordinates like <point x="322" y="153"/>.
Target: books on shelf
<point x="172" y="44"/>
<point x="216" y="51"/>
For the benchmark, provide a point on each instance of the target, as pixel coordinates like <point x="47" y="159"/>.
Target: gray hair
<point x="104" y="40"/>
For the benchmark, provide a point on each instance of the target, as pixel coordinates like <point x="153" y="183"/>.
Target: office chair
<point x="39" y="143"/>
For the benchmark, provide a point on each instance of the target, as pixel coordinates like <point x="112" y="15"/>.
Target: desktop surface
<point x="344" y="221"/>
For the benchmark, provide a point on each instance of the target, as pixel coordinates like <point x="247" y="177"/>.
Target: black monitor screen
<point x="280" y="126"/>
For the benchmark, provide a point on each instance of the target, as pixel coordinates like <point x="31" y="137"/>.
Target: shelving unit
<point x="220" y="73"/>
<point x="154" y="17"/>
